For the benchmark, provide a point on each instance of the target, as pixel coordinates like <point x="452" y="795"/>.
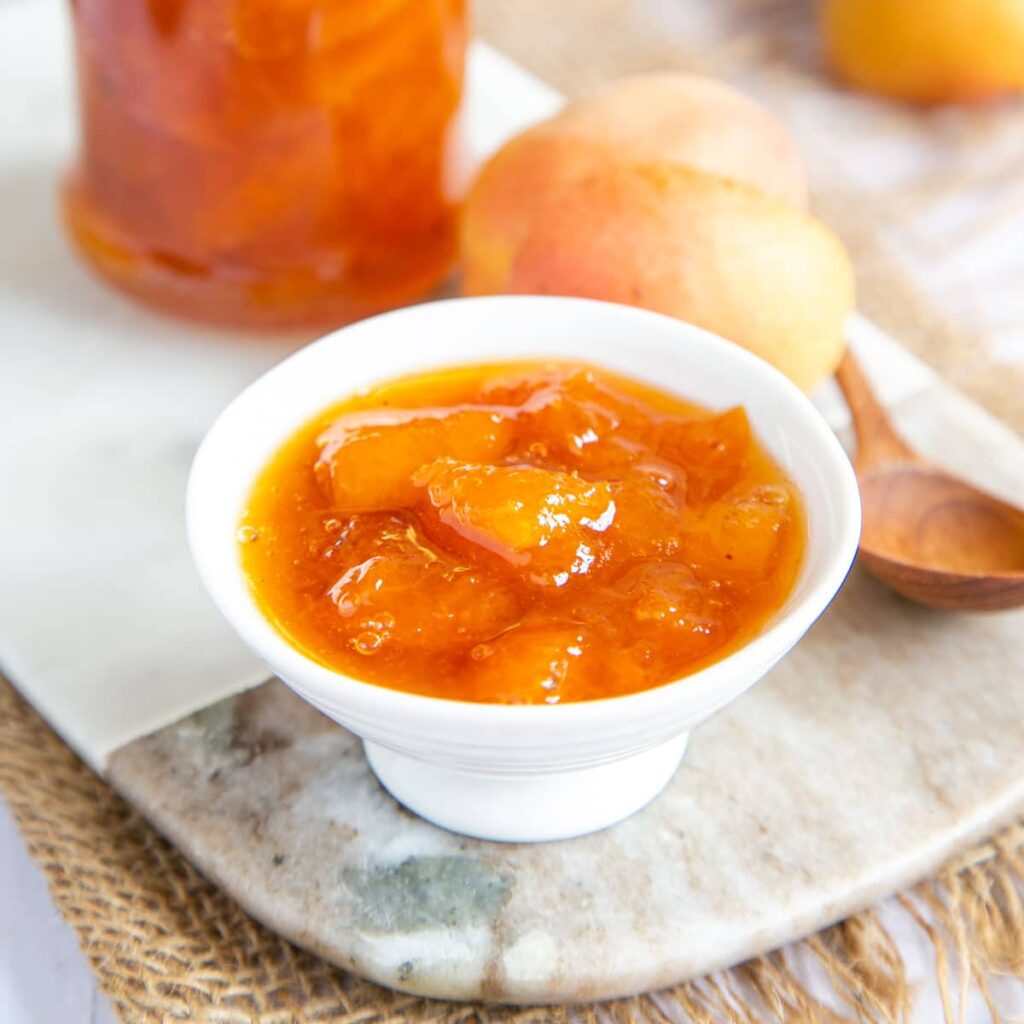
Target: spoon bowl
<point x="931" y="537"/>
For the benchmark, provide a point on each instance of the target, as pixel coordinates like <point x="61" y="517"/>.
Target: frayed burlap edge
<point x="167" y="945"/>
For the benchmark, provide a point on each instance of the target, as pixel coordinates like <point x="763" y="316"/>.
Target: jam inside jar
<point x="268" y="162"/>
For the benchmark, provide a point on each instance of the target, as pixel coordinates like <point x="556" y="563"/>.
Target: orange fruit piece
<point x="368" y="459"/>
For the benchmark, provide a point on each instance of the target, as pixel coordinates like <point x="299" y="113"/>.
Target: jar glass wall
<point x="268" y="162"/>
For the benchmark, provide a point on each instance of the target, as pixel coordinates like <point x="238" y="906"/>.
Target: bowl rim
<point x="363" y="700"/>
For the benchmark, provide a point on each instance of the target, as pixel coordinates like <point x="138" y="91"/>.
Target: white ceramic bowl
<point x="522" y="773"/>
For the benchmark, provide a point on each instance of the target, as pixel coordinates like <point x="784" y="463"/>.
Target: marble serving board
<point x="888" y="739"/>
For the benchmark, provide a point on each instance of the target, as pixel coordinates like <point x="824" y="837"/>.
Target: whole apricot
<point x="714" y="252"/>
<point x="497" y="210"/>
<point x="928" y="51"/>
<point x="677" y="118"/>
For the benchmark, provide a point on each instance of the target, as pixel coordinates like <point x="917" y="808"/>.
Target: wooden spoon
<point x="932" y="538"/>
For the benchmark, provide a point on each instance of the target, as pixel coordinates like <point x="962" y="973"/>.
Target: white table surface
<point x="44" y="978"/>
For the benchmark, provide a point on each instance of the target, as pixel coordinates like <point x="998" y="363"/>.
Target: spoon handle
<point x="876" y="440"/>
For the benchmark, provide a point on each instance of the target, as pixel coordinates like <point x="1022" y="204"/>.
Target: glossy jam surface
<point x="523" y="534"/>
<point x="268" y="162"/>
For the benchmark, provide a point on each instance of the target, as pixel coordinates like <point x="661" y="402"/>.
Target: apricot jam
<point x="268" y="162"/>
<point x="521" y="534"/>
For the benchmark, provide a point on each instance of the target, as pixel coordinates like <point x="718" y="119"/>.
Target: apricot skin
<point x="693" y="121"/>
<point x="716" y="253"/>
<point x="927" y="51"/>
<point x="683" y="119"/>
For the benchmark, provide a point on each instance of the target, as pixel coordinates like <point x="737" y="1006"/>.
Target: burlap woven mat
<point x="167" y="945"/>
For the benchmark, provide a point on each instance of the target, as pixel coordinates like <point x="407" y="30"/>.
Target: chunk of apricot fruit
<point x="740" y="534"/>
<point x="549" y="663"/>
<point x="367" y="459"/>
<point x="714" y="448"/>
<point x="547" y="522"/>
<point x="397" y="589"/>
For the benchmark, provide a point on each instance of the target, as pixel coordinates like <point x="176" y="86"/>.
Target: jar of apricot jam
<point x="268" y="162"/>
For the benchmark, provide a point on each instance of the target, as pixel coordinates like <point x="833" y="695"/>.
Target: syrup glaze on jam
<point x="522" y="534"/>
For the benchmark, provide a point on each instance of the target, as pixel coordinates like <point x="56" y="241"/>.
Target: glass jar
<point x="268" y="162"/>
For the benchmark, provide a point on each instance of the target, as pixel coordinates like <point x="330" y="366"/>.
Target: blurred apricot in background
<point x="927" y="51"/>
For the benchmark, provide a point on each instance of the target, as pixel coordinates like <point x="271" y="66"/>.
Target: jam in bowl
<point x="522" y="546"/>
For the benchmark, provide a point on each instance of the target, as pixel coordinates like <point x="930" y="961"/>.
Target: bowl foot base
<point x="527" y="808"/>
